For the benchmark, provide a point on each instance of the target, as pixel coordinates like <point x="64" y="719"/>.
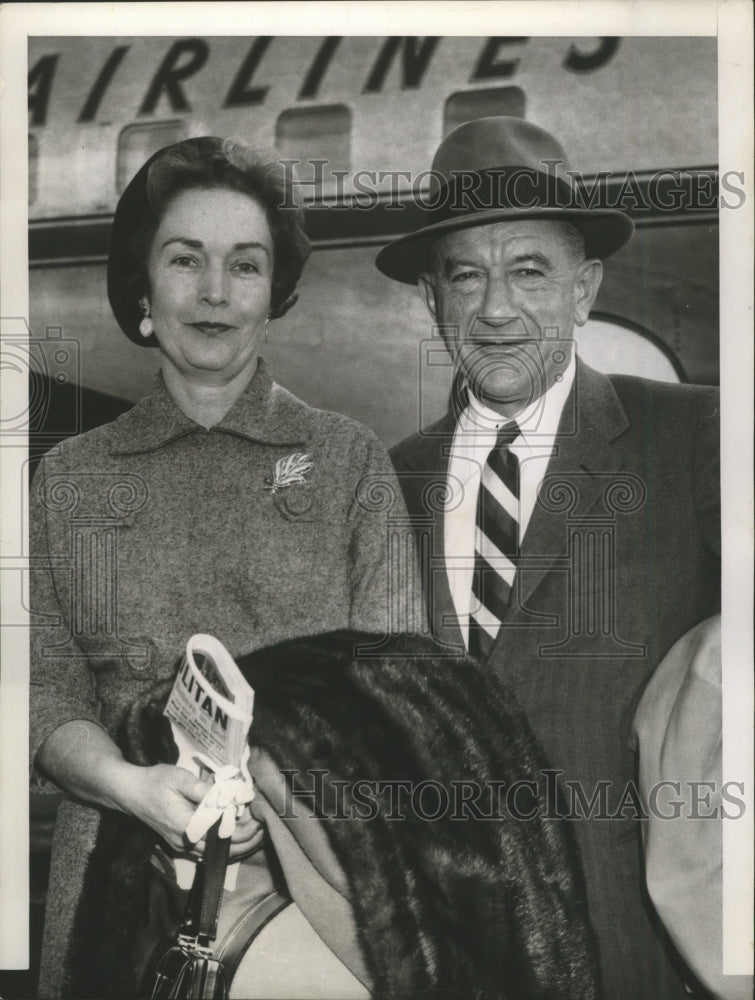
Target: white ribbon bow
<point x="231" y="792"/>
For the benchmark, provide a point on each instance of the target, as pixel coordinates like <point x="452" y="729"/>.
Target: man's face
<point x="507" y="296"/>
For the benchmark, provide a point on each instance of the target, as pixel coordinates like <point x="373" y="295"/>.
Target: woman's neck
<point x="204" y="403"/>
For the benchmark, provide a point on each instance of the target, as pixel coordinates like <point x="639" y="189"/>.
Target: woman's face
<point x="210" y="272"/>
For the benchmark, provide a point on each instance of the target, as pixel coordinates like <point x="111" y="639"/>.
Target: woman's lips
<point x="211" y="328"/>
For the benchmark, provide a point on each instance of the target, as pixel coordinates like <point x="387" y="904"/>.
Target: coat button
<point x="297" y="503"/>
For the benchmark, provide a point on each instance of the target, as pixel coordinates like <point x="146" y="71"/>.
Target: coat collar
<point x="592" y="419"/>
<point x="265" y="413"/>
<point x="588" y="455"/>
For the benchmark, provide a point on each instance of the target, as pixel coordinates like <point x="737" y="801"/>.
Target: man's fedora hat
<point x="498" y="169"/>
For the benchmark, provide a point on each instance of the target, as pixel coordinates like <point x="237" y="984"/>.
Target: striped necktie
<point x="496" y="542"/>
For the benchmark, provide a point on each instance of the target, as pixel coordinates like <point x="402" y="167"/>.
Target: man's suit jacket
<point x="620" y="558"/>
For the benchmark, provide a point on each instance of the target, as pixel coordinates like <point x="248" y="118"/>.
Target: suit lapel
<point x="588" y="449"/>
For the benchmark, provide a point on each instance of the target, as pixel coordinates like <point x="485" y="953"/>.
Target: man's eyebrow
<point x="197" y="244"/>
<point x="535" y="257"/>
<point x="453" y="262"/>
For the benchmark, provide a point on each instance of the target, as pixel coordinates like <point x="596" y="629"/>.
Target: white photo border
<point x="730" y="20"/>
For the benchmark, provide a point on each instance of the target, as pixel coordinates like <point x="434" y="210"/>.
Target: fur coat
<point x="457" y="897"/>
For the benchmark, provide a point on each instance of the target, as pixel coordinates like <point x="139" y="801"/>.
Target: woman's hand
<point x="81" y="758"/>
<point x="247" y="836"/>
<point x="165" y="797"/>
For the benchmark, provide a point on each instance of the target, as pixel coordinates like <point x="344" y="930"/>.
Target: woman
<point x="220" y="503"/>
<point x="414" y="826"/>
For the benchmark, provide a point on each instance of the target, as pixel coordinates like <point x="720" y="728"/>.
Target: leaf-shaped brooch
<point x="288" y="471"/>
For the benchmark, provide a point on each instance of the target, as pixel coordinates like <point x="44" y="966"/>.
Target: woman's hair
<point x="446" y="902"/>
<point x="236" y="167"/>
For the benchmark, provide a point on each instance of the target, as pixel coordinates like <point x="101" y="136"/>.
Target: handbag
<point x="188" y="970"/>
<point x="191" y="968"/>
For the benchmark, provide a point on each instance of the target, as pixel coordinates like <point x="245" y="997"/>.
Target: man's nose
<point x="213" y="285"/>
<point x="497" y="309"/>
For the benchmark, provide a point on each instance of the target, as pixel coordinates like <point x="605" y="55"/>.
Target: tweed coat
<point x="152" y="528"/>
<point x="621" y="557"/>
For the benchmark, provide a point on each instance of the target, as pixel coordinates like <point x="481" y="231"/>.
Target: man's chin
<point x="506" y="395"/>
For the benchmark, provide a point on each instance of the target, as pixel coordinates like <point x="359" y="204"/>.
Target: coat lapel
<point x="588" y="451"/>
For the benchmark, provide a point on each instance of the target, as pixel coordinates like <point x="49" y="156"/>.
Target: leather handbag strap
<point x="189" y="926"/>
<point x="242" y="933"/>
<point x="203" y="909"/>
<point x="200" y="918"/>
<point x="215" y="862"/>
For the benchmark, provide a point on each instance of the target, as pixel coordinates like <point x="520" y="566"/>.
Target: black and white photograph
<point x="376" y="433"/>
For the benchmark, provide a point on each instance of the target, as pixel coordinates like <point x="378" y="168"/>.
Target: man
<point x="576" y="537"/>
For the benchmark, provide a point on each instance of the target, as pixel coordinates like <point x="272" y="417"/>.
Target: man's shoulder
<point x="420" y="449"/>
<point x="635" y="385"/>
<point x="649" y="397"/>
<point x="402" y="452"/>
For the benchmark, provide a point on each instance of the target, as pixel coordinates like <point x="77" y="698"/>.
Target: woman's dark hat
<point x="128" y="214"/>
<point x="498" y="169"/>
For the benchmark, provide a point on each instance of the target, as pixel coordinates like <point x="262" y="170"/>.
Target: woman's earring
<point x="267" y="324"/>
<point x="146" y="327"/>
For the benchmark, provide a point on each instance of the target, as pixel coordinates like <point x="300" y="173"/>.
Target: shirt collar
<point x="539" y="419"/>
<point x="264" y="412"/>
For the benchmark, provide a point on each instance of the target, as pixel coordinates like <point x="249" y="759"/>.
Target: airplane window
<point x="465" y="105"/>
<point x="322" y="133"/>
<point x="614" y="347"/>
<point x="33" y="168"/>
<point x="137" y="143"/>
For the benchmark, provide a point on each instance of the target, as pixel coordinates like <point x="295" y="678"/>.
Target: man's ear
<point x="427" y="291"/>
<point x="586" y="285"/>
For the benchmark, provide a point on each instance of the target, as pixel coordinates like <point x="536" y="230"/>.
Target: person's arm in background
<point x="677" y="731"/>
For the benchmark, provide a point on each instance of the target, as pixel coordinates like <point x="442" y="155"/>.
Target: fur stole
<point x="457" y="905"/>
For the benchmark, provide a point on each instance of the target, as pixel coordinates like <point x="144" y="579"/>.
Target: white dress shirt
<point x="475" y="435"/>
